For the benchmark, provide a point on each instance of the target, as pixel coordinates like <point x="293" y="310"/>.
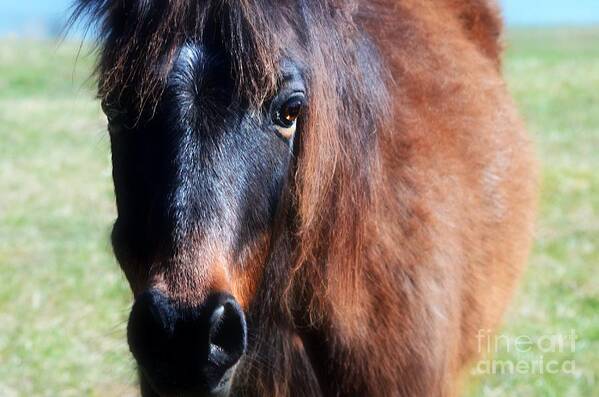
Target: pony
<point x="314" y="197"/>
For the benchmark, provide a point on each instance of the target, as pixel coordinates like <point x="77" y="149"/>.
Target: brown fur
<point x="409" y="215"/>
<point x="408" y="249"/>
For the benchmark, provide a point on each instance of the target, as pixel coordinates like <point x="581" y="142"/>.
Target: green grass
<point x="64" y="302"/>
<point x="554" y="76"/>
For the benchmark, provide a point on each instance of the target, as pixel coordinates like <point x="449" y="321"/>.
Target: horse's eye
<point x="290" y="111"/>
<point x="286" y="115"/>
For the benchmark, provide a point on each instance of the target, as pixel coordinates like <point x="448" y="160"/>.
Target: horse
<point x="314" y="197"/>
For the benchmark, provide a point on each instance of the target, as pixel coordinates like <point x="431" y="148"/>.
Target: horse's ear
<point x="482" y="23"/>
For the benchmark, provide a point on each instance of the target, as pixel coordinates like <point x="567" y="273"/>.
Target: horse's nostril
<point x="227" y="332"/>
<point x="187" y="348"/>
<point x="151" y="324"/>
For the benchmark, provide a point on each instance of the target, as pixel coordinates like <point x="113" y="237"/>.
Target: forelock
<point x="139" y="40"/>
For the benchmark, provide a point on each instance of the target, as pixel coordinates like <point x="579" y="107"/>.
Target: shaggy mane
<point x="140" y="38"/>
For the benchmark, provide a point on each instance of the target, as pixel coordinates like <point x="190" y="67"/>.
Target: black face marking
<point x="204" y="164"/>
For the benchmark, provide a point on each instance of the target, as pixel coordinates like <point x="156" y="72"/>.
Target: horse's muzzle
<point x="189" y="350"/>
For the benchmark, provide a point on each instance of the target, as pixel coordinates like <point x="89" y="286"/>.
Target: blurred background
<point x="64" y="302"/>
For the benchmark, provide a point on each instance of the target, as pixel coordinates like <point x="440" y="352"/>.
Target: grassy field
<point x="64" y="302"/>
<point x="554" y="76"/>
